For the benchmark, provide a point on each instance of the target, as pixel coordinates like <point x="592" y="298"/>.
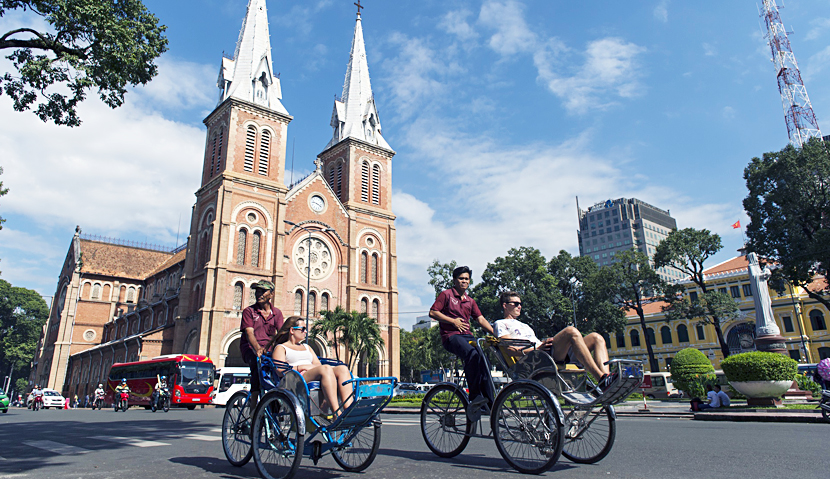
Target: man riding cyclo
<point x="160" y="388"/>
<point x="260" y="322"/>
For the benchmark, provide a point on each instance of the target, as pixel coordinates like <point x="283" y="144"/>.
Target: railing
<point x="134" y="244"/>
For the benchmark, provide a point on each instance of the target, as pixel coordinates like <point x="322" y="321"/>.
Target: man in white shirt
<point x="722" y="396"/>
<point x="589" y="350"/>
<point x="712" y="398"/>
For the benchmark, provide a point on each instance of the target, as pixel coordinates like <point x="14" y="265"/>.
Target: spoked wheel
<point x="166" y="404"/>
<point x="589" y="434"/>
<point x="278" y="444"/>
<point x="359" y="453"/>
<point x="824" y="412"/>
<point x="527" y="428"/>
<point x="444" y="422"/>
<point x="236" y="430"/>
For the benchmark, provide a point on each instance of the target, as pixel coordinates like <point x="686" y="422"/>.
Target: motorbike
<point x="98" y="402"/>
<point x="162" y="401"/>
<point x="825" y="404"/>
<point x="122" y="401"/>
<point x="37" y="403"/>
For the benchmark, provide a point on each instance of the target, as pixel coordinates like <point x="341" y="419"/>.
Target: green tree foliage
<point x="634" y="284"/>
<point x="687" y="250"/>
<point x="691" y="370"/>
<point x="103" y="44"/>
<point x="357" y="331"/>
<point x="331" y="324"/>
<point x="22" y="315"/>
<point x="789" y="210"/>
<point x="759" y="366"/>
<point x="440" y="275"/>
<point x="421" y="350"/>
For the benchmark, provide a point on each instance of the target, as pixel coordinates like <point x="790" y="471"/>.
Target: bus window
<point x="195" y="377"/>
<point x="658" y="381"/>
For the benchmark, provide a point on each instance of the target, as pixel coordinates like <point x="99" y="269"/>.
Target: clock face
<point x="317" y="203"/>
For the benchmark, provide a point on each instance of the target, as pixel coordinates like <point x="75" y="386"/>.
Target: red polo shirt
<point x="452" y="304"/>
<point x="264" y="328"/>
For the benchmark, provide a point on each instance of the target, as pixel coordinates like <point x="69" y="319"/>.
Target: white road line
<point x="130" y="441"/>
<point x="218" y="429"/>
<point x="200" y="437"/>
<point x="56" y="447"/>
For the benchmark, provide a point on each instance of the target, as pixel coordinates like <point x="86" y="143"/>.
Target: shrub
<point x="759" y="366"/>
<point x="807" y="384"/>
<point x="691" y="371"/>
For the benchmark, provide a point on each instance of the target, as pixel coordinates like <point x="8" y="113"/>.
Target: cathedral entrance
<point x="234" y="357"/>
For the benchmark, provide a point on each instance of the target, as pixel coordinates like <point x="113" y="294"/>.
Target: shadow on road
<point x="468" y="461"/>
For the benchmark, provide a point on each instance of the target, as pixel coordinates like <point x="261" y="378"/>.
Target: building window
<point x="823" y="353"/>
<point x="735" y="292"/>
<point x="339" y="179"/>
<point x="665" y="335"/>
<point x="364" y="306"/>
<point x="693" y="296"/>
<point x="331" y="179"/>
<point x="237" y="296"/>
<point x="817" y="320"/>
<point x="374" y="269"/>
<point x="96" y="291"/>
<point x="635" y="338"/>
<point x="255" y="249"/>
<point x="312" y="303"/>
<point x="298" y="303"/>
<point x="324" y="302"/>
<point x="788" y="324"/>
<point x="650" y="337"/>
<point x="747" y="290"/>
<point x="795" y="354"/>
<point x="700" y="333"/>
<point x="682" y="334"/>
<point x="250" y="146"/>
<point x="131" y="295"/>
<point x="376" y="184"/>
<point x="212" y="157"/>
<point x="722" y="290"/>
<point x="264" y="152"/>
<point x="375" y="309"/>
<point x="620" y="340"/>
<point x="364" y="182"/>
<point x="241" y="243"/>
<point x="364" y="258"/>
<point x="219" y="150"/>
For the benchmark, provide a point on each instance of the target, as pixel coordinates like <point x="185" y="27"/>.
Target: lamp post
<point x="574" y="284"/>
<point x="308" y="264"/>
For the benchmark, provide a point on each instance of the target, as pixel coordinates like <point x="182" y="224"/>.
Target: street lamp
<point x="308" y="264"/>
<point x="574" y="284"/>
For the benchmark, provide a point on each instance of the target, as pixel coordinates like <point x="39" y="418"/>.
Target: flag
<point x="736" y="225"/>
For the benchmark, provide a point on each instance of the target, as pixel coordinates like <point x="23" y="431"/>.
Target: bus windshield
<point x="195" y="377"/>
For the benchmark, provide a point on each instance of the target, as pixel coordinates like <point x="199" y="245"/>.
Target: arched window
<point x="682" y="334"/>
<point x="665" y="335"/>
<point x="650" y="337"/>
<point x="237" y="296"/>
<point x="363" y="259"/>
<point x="374" y="268"/>
<point x="255" y="249"/>
<point x="264" y="151"/>
<point x="312" y="303"/>
<point x="635" y="338"/>
<point x="817" y="320"/>
<point x="620" y="340"/>
<point x="85" y="290"/>
<point x="364" y="305"/>
<point x="375" y="309"/>
<point x="339" y="180"/>
<point x="298" y="303"/>
<point x="212" y="157"/>
<point x="122" y="294"/>
<point x="241" y="243"/>
<point x="105" y="295"/>
<point x="131" y="295"/>
<point x="364" y="181"/>
<point x="324" y="302"/>
<point x="250" y="146"/>
<point x="197" y="295"/>
<point x="376" y="184"/>
<point x="701" y="335"/>
<point x="251" y="296"/>
<point x="96" y="291"/>
<point x="148" y="322"/>
<point x="161" y="320"/>
<point x="219" y="150"/>
<point x="331" y="178"/>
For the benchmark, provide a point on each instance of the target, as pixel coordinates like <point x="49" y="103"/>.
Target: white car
<point x="52" y="398"/>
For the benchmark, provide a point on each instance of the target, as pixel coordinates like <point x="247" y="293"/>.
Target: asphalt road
<point x="181" y="443"/>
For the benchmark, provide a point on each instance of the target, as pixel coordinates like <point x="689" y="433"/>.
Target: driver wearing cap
<point x="260" y="322"/>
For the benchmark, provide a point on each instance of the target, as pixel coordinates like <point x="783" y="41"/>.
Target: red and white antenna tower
<point x="798" y="112"/>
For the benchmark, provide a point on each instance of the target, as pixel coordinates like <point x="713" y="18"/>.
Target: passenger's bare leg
<point x="596" y="345"/>
<point x="342" y="374"/>
<point x="328" y="383"/>
<point x="571" y="338"/>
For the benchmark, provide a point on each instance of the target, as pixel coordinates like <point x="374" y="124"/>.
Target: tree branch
<point x="42" y="43"/>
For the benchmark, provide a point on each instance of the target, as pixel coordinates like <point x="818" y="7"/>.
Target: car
<point x="403" y="389"/>
<point x="4" y="401"/>
<point x="52" y="398"/>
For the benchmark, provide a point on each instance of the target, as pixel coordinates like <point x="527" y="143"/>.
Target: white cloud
<point x="817" y="64"/>
<point x="179" y="85"/>
<point x="661" y="11"/>
<point x="300" y="17"/>
<point x="728" y="112"/>
<point x="412" y="73"/>
<point x="455" y="23"/>
<point x="818" y="26"/>
<point x="512" y="34"/>
<point x="709" y="50"/>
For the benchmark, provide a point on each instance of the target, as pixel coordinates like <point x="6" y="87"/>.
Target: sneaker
<point x="474" y="410"/>
<point x="605" y="382"/>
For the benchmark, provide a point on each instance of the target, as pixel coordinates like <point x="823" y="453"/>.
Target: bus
<point x="230" y="381"/>
<point x="189" y="378"/>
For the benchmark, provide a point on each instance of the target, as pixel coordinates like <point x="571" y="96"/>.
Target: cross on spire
<point x="359" y="7"/>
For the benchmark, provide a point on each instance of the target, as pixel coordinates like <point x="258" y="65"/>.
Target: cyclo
<point x="530" y="427"/>
<point x="289" y="423"/>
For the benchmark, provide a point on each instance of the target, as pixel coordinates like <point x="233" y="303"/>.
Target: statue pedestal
<point x="772" y="343"/>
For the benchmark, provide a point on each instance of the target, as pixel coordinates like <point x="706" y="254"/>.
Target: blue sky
<point x="501" y="113"/>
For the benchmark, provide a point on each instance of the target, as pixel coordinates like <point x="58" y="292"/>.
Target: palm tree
<point x="334" y="323"/>
<point x="362" y="334"/>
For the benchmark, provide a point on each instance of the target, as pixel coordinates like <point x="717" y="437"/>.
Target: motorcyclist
<point x="37" y="395"/>
<point x="122" y="388"/>
<point x="98" y="395"/>
<point x="161" y="388"/>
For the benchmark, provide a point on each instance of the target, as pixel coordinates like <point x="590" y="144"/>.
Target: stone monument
<point x="767" y="335"/>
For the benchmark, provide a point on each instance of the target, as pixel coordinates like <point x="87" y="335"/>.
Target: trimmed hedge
<point x="759" y="366"/>
<point x="690" y="370"/>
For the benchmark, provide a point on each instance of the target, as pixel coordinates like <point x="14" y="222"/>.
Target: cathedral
<point x="326" y="240"/>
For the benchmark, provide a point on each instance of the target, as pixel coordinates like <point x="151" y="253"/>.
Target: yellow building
<point x="801" y="319"/>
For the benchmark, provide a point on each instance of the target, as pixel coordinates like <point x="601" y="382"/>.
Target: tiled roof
<point x="122" y="261"/>
<point x="738" y="263"/>
<point x="650" y="308"/>
<point x="176" y="258"/>
<point x="818" y="284"/>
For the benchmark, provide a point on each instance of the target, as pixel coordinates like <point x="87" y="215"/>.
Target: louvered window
<point x="237" y="296"/>
<point x="212" y="157"/>
<point x="250" y="145"/>
<point x="255" y="250"/>
<point x="339" y="180"/>
<point x="298" y="303"/>
<point x="364" y="182"/>
<point x="219" y="150"/>
<point x="374" y="269"/>
<point x="363" y="259"/>
<point x="240" y="247"/>
<point x="331" y="178"/>
<point x="264" y="152"/>
<point x="376" y="184"/>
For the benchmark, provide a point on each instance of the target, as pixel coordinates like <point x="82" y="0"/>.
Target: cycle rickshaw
<point x="288" y="422"/>
<point x="529" y="425"/>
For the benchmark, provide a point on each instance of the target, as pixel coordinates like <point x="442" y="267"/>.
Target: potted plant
<point x="691" y="370"/>
<point x="760" y="376"/>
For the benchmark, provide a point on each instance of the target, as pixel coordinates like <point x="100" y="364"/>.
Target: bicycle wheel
<point x="589" y="434"/>
<point x="359" y="453"/>
<point x="278" y="444"/>
<point x="444" y="422"/>
<point x="527" y="428"/>
<point x="236" y="430"/>
<point x="824" y="412"/>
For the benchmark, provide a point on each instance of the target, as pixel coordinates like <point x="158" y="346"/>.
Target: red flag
<point x="736" y="225"/>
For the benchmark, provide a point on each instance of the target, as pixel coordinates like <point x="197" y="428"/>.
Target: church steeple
<point x="355" y="114"/>
<point x="249" y="76"/>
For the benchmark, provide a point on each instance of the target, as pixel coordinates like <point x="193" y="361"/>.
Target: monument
<point x="767" y="335"/>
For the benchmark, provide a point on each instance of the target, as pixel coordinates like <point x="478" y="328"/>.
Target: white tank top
<point x="297" y="358"/>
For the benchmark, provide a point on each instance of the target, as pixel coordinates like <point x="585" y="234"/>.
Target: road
<point x="181" y="443"/>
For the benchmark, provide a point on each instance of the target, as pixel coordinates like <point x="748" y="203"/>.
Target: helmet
<point x="124" y="381"/>
<point x="164" y="378"/>
<point x="100" y="385"/>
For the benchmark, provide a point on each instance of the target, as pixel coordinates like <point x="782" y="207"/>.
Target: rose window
<point x="315" y="254"/>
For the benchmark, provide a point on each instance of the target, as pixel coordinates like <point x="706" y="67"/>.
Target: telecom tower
<point x="798" y="112"/>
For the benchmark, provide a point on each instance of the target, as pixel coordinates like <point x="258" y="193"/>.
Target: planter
<point x="761" y="389"/>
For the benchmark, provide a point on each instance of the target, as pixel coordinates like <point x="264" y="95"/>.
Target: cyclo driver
<point x="161" y="387"/>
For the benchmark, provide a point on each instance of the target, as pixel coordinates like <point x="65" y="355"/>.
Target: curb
<point x="759" y="417"/>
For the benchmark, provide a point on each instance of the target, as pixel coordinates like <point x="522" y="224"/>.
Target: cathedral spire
<point x="355" y="114"/>
<point x="249" y="76"/>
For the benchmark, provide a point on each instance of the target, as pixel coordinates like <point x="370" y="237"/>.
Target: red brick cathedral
<point x="117" y="302"/>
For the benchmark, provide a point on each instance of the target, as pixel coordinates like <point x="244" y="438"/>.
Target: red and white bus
<point x="189" y="378"/>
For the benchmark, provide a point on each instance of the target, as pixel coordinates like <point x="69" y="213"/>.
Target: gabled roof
<point x="175" y="258"/>
<point x="650" y="308"/>
<point x="738" y="263"/>
<point x="122" y="261"/>
<point x="302" y="185"/>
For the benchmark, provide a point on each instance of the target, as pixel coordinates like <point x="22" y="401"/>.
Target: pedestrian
<point x="260" y="322"/>
<point x="75" y="404"/>
<point x="724" y="398"/>
<point x="712" y="399"/>
<point x="86" y="401"/>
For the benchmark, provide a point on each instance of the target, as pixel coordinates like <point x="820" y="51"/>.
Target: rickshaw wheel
<point x="527" y="427"/>
<point x="589" y="434"/>
<point x="444" y="422"/>
<point x="361" y="451"/>
<point x="236" y="430"/>
<point x="277" y="442"/>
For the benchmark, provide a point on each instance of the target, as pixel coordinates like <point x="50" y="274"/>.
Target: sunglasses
<point x="514" y="303"/>
<point x="300" y="328"/>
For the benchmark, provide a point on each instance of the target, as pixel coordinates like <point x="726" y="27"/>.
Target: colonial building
<point x="801" y="319"/>
<point x="327" y="240"/>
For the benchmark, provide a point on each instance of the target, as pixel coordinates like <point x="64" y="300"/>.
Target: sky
<point x="502" y="113"/>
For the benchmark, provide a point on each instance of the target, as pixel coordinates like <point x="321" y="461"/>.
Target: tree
<point x="634" y="284"/>
<point x="687" y="250"/>
<point x="357" y="331"/>
<point x="440" y="275"/>
<point x="103" y="44"/>
<point x="421" y="350"/>
<point x="332" y="323"/>
<point x="2" y="193"/>
<point x="789" y="210"/>
<point x="22" y="316"/>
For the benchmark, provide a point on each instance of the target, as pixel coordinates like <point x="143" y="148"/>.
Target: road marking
<point x="130" y="441"/>
<point x="56" y="447"/>
<point x="218" y="429"/>
<point x="200" y="437"/>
